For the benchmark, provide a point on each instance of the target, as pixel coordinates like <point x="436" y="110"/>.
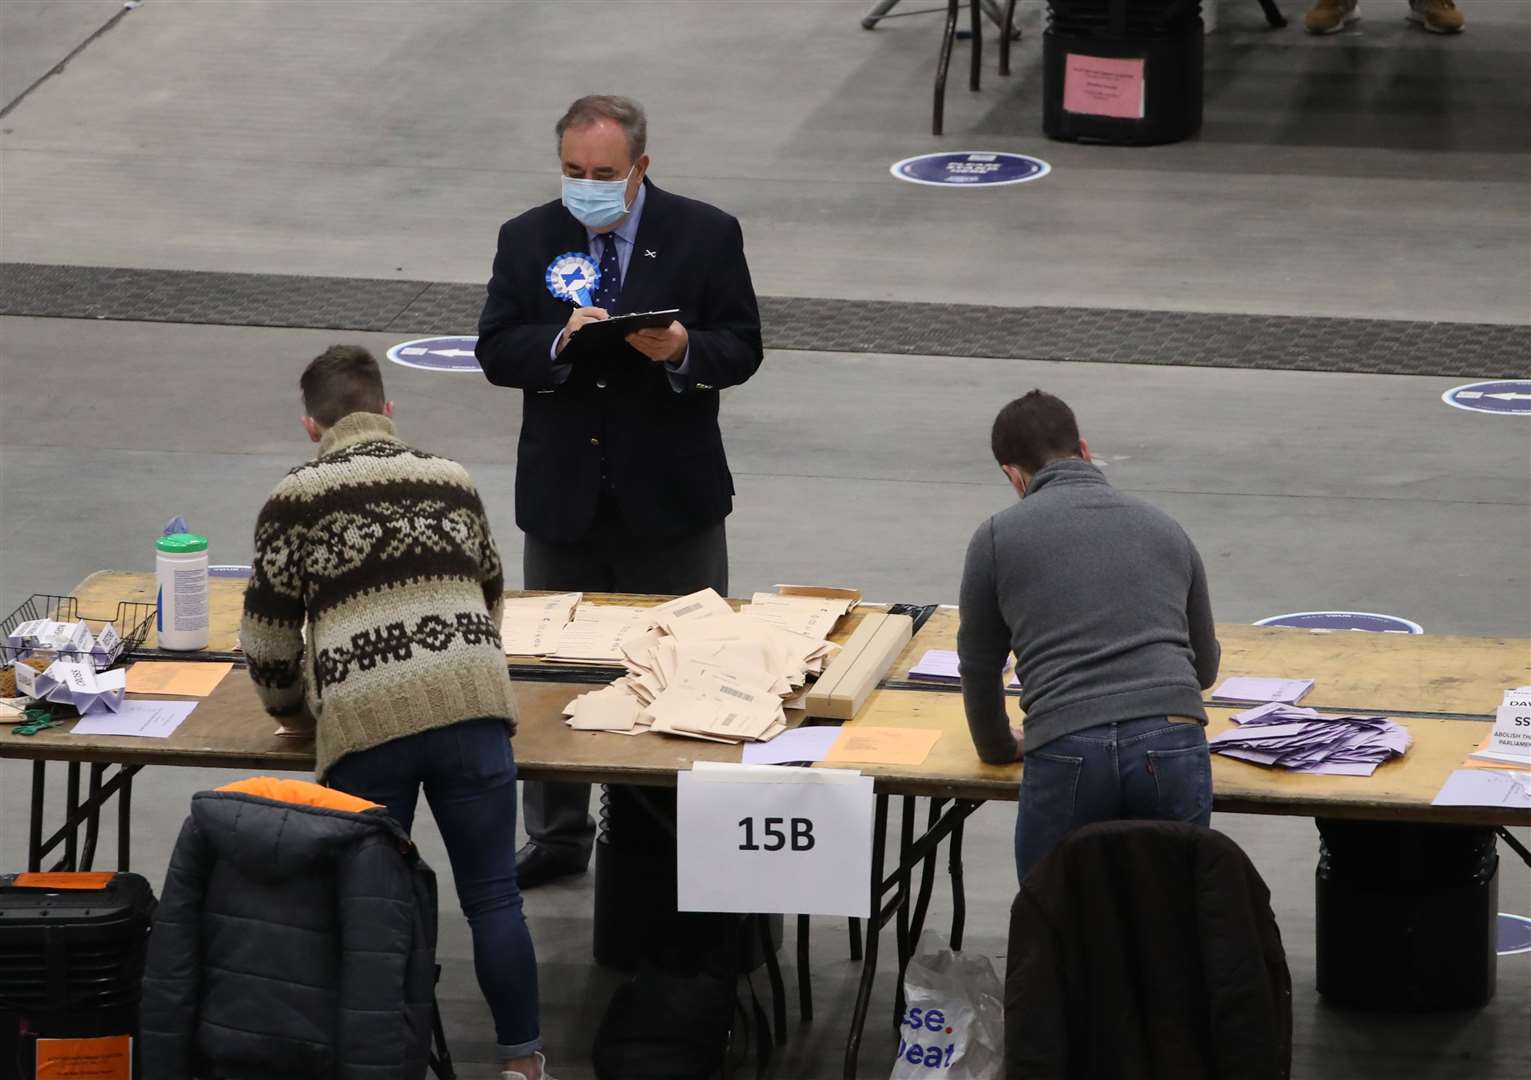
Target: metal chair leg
<point x="943" y="64"/>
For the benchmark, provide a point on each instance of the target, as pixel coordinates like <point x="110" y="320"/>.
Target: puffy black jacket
<point x="1146" y="950"/>
<point x="295" y="939"/>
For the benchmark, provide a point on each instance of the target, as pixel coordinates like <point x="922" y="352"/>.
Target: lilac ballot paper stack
<point x="1302" y="740"/>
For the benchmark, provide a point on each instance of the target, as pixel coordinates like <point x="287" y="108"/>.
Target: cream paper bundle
<point x="701" y="670"/>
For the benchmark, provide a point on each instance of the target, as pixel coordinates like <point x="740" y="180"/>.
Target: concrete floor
<point x="1382" y="173"/>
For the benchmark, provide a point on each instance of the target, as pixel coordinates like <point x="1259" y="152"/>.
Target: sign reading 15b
<point x="766" y="839"/>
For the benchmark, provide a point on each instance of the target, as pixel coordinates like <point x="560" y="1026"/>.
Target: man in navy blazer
<point x="622" y="484"/>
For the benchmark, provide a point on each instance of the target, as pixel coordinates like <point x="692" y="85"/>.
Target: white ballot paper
<point x="1509" y="789"/>
<point x="74" y="682"/>
<point x="766" y="839"/>
<point x="148" y="719"/>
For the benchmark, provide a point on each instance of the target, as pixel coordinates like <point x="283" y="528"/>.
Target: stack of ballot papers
<point x="1305" y="741"/>
<point x="811" y="616"/>
<point x="534" y="625"/>
<point x="697" y="668"/>
<point x="1242" y="690"/>
<point x="940" y="666"/>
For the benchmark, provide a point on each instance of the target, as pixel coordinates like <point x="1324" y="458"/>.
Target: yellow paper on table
<point x="882" y="745"/>
<point x="176" y="678"/>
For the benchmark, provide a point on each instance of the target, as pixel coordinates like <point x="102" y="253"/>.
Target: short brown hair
<point x="595" y="107"/>
<point x="1033" y="430"/>
<point x="341" y="380"/>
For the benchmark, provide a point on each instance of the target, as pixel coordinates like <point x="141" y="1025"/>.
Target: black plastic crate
<point x="71" y="959"/>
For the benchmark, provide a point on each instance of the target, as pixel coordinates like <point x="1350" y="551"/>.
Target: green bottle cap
<point x="181" y="544"/>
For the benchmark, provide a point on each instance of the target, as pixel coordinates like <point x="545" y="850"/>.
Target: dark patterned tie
<point x="611" y="274"/>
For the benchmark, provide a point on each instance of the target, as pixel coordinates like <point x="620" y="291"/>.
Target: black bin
<point x="1124" y="72"/>
<point x="71" y="959"/>
<point x="636" y="916"/>
<point x="1406" y="915"/>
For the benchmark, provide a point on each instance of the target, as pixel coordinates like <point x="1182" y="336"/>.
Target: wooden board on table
<point x="100" y="594"/>
<point x="1352" y="671"/>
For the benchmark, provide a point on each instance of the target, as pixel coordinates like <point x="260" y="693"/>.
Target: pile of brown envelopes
<point x="699" y="669"/>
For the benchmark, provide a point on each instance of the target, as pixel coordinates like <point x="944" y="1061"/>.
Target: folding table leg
<point x="959" y="894"/>
<point x="975" y="68"/>
<point x="874" y="927"/>
<point x="854" y="925"/>
<point x="71" y="855"/>
<point x="943" y="64"/>
<point x="901" y="918"/>
<point x="1005" y="30"/>
<point x="93" y="822"/>
<point x="804" y="972"/>
<point x="125" y="815"/>
<point x="927" y="874"/>
<point x="35" y="823"/>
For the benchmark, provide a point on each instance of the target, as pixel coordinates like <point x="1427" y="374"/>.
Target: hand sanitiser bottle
<point x="181" y="570"/>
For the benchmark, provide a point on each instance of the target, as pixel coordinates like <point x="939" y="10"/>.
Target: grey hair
<point x="595" y="107"/>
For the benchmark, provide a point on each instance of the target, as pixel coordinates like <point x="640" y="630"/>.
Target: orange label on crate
<point x="61" y="880"/>
<point x="108" y="1058"/>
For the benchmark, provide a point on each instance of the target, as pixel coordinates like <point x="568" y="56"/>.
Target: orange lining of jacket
<point x="300" y="793"/>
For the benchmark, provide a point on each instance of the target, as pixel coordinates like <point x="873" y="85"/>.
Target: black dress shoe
<point x="536" y="867"/>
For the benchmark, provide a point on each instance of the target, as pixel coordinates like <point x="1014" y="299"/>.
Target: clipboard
<point x="609" y="333"/>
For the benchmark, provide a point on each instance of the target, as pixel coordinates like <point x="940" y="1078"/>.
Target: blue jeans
<point x="1151" y="768"/>
<point x="469" y="776"/>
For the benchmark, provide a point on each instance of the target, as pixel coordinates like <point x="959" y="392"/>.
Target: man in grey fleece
<point x="1103" y="600"/>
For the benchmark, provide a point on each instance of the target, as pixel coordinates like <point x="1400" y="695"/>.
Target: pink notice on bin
<point x="1098" y="86"/>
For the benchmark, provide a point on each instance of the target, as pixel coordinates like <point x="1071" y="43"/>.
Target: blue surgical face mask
<point x="596" y="203"/>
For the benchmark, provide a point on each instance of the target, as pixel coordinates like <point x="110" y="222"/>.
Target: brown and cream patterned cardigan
<point x="385" y="552"/>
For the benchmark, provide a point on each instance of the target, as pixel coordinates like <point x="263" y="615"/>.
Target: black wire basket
<point x="133" y="620"/>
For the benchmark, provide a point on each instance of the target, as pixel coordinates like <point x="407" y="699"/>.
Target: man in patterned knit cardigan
<point x="385" y="551"/>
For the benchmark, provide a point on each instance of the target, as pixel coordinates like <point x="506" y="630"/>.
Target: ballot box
<point x="636" y="918"/>
<point x="72" y="950"/>
<point x="1406" y="915"/>
<point x="1124" y="72"/>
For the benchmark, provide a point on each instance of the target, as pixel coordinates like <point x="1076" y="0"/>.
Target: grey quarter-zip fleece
<point x="1102" y="599"/>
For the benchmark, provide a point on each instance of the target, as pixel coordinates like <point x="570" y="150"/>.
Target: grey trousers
<point x="611" y="559"/>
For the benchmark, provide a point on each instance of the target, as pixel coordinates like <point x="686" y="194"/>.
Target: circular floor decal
<point x="436" y="353"/>
<point x="1514" y="934"/>
<point x="1344" y="620"/>
<point x="1506" y="397"/>
<point x="970" y="168"/>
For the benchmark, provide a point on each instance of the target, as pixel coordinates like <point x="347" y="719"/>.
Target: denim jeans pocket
<point x="1182" y="782"/>
<point x="1049" y="791"/>
<point x="483" y="748"/>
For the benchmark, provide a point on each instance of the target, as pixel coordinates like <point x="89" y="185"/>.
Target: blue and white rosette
<point x="574" y="276"/>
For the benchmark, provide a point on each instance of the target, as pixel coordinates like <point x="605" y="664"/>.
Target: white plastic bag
<point x="954" y="1017"/>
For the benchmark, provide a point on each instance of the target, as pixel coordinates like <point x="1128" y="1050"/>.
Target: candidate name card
<point x="75" y="683"/>
<point x="767" y="839"/>
<point x="1510" y="740"/>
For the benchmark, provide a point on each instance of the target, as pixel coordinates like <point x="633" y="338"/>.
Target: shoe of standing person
<point x="1331" y="16"/>
<point x="541" y="1074"/>
<point x="1436" y="16"/>
<point x="536" y="867"/>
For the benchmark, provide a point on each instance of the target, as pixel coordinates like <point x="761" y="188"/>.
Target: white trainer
<point x="542" y="1065"/>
